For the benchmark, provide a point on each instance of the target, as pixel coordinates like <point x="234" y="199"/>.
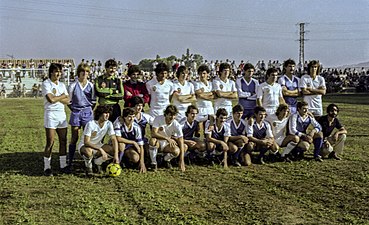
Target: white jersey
<point x="279" y="126"/>
<point x="185" y="89"/>
<point x="160" y="94"/>
<point x="228" y="86"/>
<point x="96" y="133"/>
<point x="314" y="101"/>
<point x="202" y="103"/>
<point x="173" y="129"/>
<point x="48" y="87"/>
<point x="269" y="95"/>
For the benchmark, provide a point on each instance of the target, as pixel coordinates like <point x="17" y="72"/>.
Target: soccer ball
<point x="113" y="169"/>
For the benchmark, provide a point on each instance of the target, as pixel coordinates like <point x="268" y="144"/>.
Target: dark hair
<point x="191" y="107"/>
<point x="237" y="108"/>
<point x="221" y="112"/>
<point x="180" y="70"/>
<point x="311" y="64"/>
<point x="171" y="109"/>
<point x="270" y="71"/>
<point x="281" y="107"/>
<point x="203" y="68"/>
<point x="100" y="109"/>
<point x="83" y="67"/>
<point x="161" y="67"/>
<point x="127" y="112"/>
<point x="133" y="69"/>
<point x="224" y="66"/>
<point x="248" y="66"/>
<point x="258" y="109"/>
<point x="111" y="62"/>
<point x="135" y="100"/>
<point x="331" y="106"/>
<point x="53" y="67"/>
<point x="288" y="62"/>
<point x="301" y="104"/>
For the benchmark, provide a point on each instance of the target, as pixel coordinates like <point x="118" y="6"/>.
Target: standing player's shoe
<point x="168" y="165"/>
<point x="89" y="172"/>
<point x="48" y="173"/>
<point x="66" y="170"/>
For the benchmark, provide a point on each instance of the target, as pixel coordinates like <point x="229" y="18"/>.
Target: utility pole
<point x="302" y="45"/>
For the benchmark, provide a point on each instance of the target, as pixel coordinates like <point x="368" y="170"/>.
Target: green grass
<point x="306" y="192"/>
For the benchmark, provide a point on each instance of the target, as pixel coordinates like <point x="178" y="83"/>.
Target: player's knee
<point x="134" y="158"/>
<point x="342" y="137"/>
<point x="176" y="151"/>
<point x="318" y="135"/>
<point x="296" y="139"/>
<point x="304" y="145"/>
<point x="201" y="146"/>
<point x="152" y="142"/>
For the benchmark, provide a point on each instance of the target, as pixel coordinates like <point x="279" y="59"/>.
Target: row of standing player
<point x="109" y="89"/>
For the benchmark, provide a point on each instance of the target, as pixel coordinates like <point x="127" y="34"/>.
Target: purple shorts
<point x="81" y="118"/>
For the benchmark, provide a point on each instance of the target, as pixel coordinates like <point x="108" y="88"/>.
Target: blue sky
<point x="337" y="31"/>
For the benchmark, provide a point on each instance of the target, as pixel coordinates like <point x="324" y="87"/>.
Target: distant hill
<point x="359" y="65"/>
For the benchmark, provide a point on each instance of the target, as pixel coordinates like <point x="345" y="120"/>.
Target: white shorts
<point x="55" y="119"/>
<point x="279" y="140"/>
<point x="163" y="144"/>
<point x="204" y="114"/>
<point x="270" y="110"/>
<point x="316" y="112"/>
<point x="94" y="151"/>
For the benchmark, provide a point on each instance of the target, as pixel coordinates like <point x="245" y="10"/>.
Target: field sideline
<point x="306" y="192"/>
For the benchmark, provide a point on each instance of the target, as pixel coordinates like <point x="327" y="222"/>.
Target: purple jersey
<point x="250" y="101"/>
<point x="188" y="129"/>
<point x="134" y="134"/>
<point x="298" y="125"/>
<point x="81" y="97"/>
<point x="239" y="129"/>
<point x="291" y="85"/>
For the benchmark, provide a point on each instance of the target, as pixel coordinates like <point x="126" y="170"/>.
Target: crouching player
<point x="238" y="139"/>
<point x="191" y="132"/>
<point x="279" y="122"/>
<point x="142" y="119"/>
<point x="129" y="137"/>
<point x="91" y="146"/>
<point x="217" y="137"/>
<point x="166" y="135"/>
<point x="260" y="136"/>
<point x="333" y="141"/>
<point x="298" y="124"/>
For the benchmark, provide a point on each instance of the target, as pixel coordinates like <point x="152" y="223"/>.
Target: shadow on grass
<point x="32" y="164"/>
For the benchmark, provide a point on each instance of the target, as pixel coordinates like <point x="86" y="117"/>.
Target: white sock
<point x="153" y="152"/>
<point x="99" y="161"/>
<point x="88" y="161"/>
<point x="47" y="162"/>
<point x="290" y="146"/>
<point x="63" y="161"/>
<point x="168" y="157"/>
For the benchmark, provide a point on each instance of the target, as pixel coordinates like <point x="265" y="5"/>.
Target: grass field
<point x="306" y="192"/>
